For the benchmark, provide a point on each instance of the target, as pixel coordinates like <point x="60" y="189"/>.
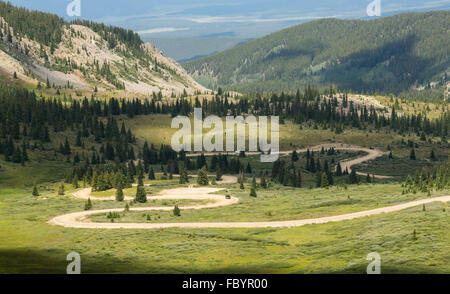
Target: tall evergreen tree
<point x="202" y="177"/>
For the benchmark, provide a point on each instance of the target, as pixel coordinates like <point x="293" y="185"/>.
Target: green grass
<point x="282" y="203"/>
<point x="30" y="245"/>
<point x="156" y="130"/>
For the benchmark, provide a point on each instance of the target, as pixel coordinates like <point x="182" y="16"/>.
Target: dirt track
<point x="371" y="155"/>
<point x="79" y="219"/>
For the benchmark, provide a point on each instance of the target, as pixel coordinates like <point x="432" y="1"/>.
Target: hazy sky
<point x="233" y="18"/>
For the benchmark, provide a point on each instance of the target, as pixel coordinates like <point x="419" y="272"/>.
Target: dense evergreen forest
<point x="24" y="117"/>
<point x="387" y="55"/>
<point x="47" y="28"/>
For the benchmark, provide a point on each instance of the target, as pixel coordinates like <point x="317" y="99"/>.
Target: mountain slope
<point x="389" y="54"/>
<point x="38" y="47"/>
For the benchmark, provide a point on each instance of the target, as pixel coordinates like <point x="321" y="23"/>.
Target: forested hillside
<point x="38" y="47"/>
<point x="386" y="55"/>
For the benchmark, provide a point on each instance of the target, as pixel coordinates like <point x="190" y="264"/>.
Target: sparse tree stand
<point x="202" y="178"/>
<point x="61" y="190"/>
<point x="176" y="211"/>
<point x="35" y="191"/>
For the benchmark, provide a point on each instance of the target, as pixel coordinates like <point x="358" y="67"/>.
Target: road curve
<point x="345" y="164"/>
<point x="78" y="219"/>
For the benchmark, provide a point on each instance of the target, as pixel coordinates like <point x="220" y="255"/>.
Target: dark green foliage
<point x="61" y="189"/>
<point x="176" y="211"/>
<point x="184" y="177"/>
<point x="433" y="156"/>
<point x="119" y="194"/>
<point x="42" y="27"/>
<point x="141" y="195"/>
<point x="263" y="183"/>
<point x="35" y="191"/>
<point x="151" y="174"/>
<point x="364" y="56"/>
<point x="353" y="177"/>
<point x="426" y="181"/>
<point x="219" y="175"/>
<point x="202" y="177"/>
<point x="294" y="156"/>
<point x="412" y="154"/>
<point x="286" y="174"/>
<point x="253" y="188"/>
<point x="88" y="204"/>
<point x="324" y="180"/>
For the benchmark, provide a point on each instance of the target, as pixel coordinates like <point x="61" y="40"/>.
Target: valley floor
<point x="412" y="238"/>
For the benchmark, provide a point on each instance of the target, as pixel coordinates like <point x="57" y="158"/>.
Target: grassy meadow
<point x="30" y="245"/>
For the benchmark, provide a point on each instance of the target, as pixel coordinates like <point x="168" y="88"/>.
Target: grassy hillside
<point x="388" y="55"/>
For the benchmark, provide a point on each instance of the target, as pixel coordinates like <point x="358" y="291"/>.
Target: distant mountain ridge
<point x="38" y="47"/>
<point x="387" y="55"/>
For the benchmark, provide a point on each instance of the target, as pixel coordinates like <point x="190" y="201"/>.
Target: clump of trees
<point x="437" y="179"/>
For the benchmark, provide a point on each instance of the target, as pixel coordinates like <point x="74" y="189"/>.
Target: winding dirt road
<point x="345" y="164"/>
<point x="80" y="219"/>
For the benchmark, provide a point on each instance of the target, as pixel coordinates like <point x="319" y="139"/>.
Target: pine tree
<point x="176" y="211"/>
<point x="61" y="189"/>
<point x="184" y="178"/>
<point x="433" y="156"/>
<point x="141" y="195"/>
<point x="119" y="193"/>
<point x="35" y="191"/>
<point x="75" y="182"/>
<point x="202" y="178"/>
<point x="338" y="170"/>
<point x="412" y="155"/>
<point x="248" y="170"/>
<point x="353" y="178"/>
<point x="140" y="177"/>
<point x="253" y="188"/>
<point x="88" y="204"/>
<point x="294" y="156"/>
<point x="151" y="174"/>
<point x="318" y="180"/>
<point x="263" y="183"/>
<point x="219" y="175"/>
<point x="324" y="180"/>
